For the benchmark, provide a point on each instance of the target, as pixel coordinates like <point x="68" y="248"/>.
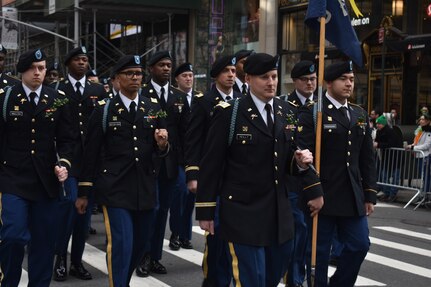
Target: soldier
<point x="36" y="152"/>
<point x="5" y="80"/>
<point x="304" y="79"/>
<point x="130" y="130"/>
<point x="52" y="74"/>
<point x="215" y="264"/>
<point x="348" y="175"/>
<point x="83" y="96"/>
<point x="92" y="76"/>
<point x="174" y="103"/>
<point x="247" y="152"/>
<point x="240" y="84"/>
<point x="180" y="219"/>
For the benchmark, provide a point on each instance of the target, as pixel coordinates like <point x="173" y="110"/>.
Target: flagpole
<point x="318" y="140"/>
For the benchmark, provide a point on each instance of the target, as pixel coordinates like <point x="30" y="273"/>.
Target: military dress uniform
<point x="7" y="81"/>
<point x="348" y="177"/>
<point x="82" y="102"/>
<point x="178" y="111"/>
<point x="123" y="179"/>
<point x="32" y="138"/>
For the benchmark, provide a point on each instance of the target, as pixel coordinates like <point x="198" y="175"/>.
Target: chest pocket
<point x="245" y="139"/>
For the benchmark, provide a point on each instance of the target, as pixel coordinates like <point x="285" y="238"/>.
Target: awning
<point x="411" y="43"/>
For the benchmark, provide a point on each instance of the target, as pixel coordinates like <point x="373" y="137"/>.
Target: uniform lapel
<point x="253" y="115"/>
<point x="22" y="101"/>
<point x="70" y="91"/>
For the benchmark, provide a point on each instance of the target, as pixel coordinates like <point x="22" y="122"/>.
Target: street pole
<point x="94" y="40"/>
<point x="77" y="24"/>
<point x="382" y="90"/>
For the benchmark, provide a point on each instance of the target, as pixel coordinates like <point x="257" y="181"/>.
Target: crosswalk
<point x="97" y="258"/>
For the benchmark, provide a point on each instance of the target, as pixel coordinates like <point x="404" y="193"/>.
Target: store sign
<point x="360" y="22"/>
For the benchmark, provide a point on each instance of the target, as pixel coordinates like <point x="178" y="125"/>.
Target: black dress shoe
<point x="60" y="268"/>
<point x="158" y="268"/>
<point x="143" y="269"/>
<point x="78" y="271"/>
<point x="186" y="244"/>
<point x="174" y="242"/>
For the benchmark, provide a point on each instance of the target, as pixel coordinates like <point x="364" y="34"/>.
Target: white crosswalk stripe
<point x="404" y="232"/>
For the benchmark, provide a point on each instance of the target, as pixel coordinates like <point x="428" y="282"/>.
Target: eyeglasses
<point x="306" y="79"/>
<point x="131" y="74"/>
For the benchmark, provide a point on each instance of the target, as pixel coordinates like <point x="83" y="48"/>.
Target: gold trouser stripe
<point x="235" y="268"/>
<point x="371" y="190"/>
<point x="109" y="246"/>
<point x="285" y="278"/>
<point x="205" y="259"/>
<point x="310" y="186"/>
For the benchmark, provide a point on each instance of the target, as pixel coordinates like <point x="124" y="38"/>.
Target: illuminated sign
<point x="429" y="10"/>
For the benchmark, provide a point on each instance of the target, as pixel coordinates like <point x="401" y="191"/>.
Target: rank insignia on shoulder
<point x="153" y="100"/>
<point x="329" y="119"/>
<point x="101" y="103"/>
<point x="224" y="105"/>
<point x="144" y="85"/>
<point x="61" y="92"/>
<point x="300" y="129"/>
<point x="200" y="95"/>
<point x="293" y="104"/>
<point x="1" y="91"/>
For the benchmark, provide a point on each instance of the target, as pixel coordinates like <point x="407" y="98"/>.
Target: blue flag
<point x="339" y="30"/>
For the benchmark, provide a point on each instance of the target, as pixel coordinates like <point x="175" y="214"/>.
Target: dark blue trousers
<point x="71" y="223"/>
<point x="27" y="222"/>
<point x="254" y="266"/>
<point x="296" y="269"/>
<point x="167" y="189"/>
<point x="127" y="232"/>
<point x="180" y="219"/>
<point x="352" y="233"/>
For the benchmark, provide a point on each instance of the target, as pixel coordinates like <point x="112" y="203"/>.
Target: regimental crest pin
<point x="38" y="54"/>
<point x="16" y="108"/>
<point x="137" y="60"/>
<point x="244" y="128"/>
<point x="329" y="119"/>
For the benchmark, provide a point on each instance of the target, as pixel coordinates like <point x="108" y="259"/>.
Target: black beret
<point x="53" y="67"/>
<point x="260" y="63"/>
<point x="303" y="68"/>
<point x="3" y="49"/>
<point x="186" y="67"/>
<point x="334" y="71"/>
<point x="128" y="61"/>
<point x="159" y="55"/>
<point x="75" y="52"/>
<point x="28" y="58"/>
<point x="220" y="64"/>
<point x="243" y="53"/>
<point x="104" y="81"/>
<point x="91" y="73"/>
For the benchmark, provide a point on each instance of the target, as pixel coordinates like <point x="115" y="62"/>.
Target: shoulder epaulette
<point x="61" y="92"/>
<point x="101" y="102"/>
<point x="224" y="105"/>
<point x="200" y="95"/>
<point x="356" y="105"/>
<point x="293" y="104"/>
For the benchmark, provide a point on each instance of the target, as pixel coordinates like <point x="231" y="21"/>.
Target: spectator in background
<point x="387" y="138"/>
<point x="92" y="76"/>
<point x="422" y="142"/>
<point x="52" y="74"/>
<point x="374" y="114"/>
<point x="424" y="110"/>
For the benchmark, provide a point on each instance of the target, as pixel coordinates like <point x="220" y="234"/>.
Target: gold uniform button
<point x="82" y="132"/>
<point x="151" y="126"/>
<point x="276" y="140"/>
<point x="80" y="114"/>
<point x="330" y="130"/>
<point x="33" y="131"/>
<point x="348" y="164"/>
<point x="348" y="153"/>
<point x="33" y="120"/>
<point x="136" y="159"/>
<point x="15" y="119"/>
<point x="135" y="138"/>
<point x="134" y="127"/>
<point x="350" y="132"/>
<point x="105" y="170"/>
<point x="350" y="143"/>
<point x="136" y="148"/>
<point x="230" y="196"/>
<point x="276" y="168"/>
<point x="80" y="123"/>
<point x="275" y="154"/>
<point x="33" y="141"/>
<point x="79" y="105"/>
<point x="276" y="181"/>
<point x="52" y="119"/>
<point x="4" y="162"/>
<point x="32" y="152"/>
<point x="243" y="142"/>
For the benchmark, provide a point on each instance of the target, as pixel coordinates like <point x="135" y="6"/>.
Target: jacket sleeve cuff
<point x="84" y="188"/>
<point x="370" y="195"/>
<point x="65" y="162"/>
<point x="312" y="187"/>
<point x="192" y="172"/>
<point x="205" y="210"/>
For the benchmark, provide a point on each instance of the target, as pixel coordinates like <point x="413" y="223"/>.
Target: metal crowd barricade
<point x="402" y="169"/>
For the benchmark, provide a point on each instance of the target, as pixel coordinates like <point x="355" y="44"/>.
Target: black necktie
<point x="228" y="98"/>
<point x="346" y="116"/>
<point x="162" y="98"/>
<point x="269" y="121"/>
<point x="78" y="90"/>
<point x="132" y="110"/>
<point x="307" y="101"/>
<point x="244" y="89"/>
<point x="33" y="96"/>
